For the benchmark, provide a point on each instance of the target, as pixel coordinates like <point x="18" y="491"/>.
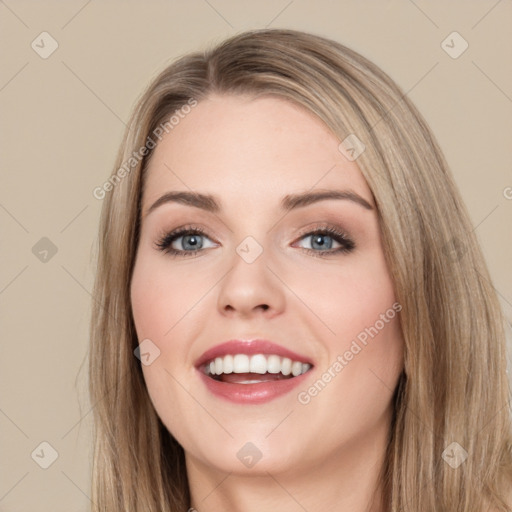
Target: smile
<point x="252" y="372"/>
<point x="245" y="369"/>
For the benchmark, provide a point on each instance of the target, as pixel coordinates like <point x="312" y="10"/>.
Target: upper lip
<point x="250" y="347"/>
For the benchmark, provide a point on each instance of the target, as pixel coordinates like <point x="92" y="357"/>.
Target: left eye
<point x="323" y="240"/>
<point x="319" y="241"/>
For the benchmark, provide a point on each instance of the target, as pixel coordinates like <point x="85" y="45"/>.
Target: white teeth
<point x="273" y="364"/>
<point x="296" y="368"/>
<point x="258" y="363"/>
<point x="286" y="366"/>
<point x="241" y="363"/>
<point x="227" y="365"/>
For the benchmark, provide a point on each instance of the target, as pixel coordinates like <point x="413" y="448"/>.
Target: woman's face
<point x="264" y="268"/>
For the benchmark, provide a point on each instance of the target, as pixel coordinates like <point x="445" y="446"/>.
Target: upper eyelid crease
<point x="289" y="202"/>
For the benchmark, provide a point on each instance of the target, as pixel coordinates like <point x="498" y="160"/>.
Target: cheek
<point x="166" y="308"/>
<point x="158" y="305"/>
<point x="356" y="297"/>
<point x="370" y="343"/>
<point x="359" y="308"/>
<point x="160" y="298"/>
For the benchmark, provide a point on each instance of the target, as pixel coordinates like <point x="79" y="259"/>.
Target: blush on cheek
<point x="152" y="314"/>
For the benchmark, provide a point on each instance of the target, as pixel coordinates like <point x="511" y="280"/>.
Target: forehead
<point x="250" y="149"/>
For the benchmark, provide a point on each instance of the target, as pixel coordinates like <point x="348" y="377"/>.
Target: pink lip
<point x="250" y="393"/>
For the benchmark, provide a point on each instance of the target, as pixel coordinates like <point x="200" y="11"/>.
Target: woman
<point x="291" y="309"/>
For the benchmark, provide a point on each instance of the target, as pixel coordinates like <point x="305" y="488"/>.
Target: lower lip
<point x="258" y="393"/>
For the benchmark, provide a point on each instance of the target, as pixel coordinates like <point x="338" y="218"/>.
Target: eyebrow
<point x="289" y="202"/>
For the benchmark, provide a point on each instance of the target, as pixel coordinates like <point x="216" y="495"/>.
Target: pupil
<point x="318" y="240"/>
<point x="192" y="241"/>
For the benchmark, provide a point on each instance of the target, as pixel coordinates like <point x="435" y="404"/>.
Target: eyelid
<point x="321" y="226"/>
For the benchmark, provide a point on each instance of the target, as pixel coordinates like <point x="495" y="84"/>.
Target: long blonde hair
<point x="454" y="387"/>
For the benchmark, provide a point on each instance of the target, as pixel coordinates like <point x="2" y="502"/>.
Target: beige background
<point x="62" y="121"/>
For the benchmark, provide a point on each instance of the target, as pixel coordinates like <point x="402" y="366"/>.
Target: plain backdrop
<point x="63" y="115"/>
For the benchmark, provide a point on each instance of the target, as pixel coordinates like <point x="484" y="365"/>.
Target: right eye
<point x="191" y="242"/>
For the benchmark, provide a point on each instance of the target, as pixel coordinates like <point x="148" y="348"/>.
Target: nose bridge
<point x="250" y="284"/>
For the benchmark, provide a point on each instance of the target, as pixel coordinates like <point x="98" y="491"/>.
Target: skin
<point x="323" y="455"/>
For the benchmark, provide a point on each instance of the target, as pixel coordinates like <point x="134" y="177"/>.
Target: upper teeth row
<point x="258" y="363"/>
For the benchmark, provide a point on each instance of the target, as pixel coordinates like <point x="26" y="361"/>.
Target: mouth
<point x="251" y="372"/>
<point x="254" y="369"/>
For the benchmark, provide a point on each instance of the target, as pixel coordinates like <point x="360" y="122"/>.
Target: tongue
<point x="235" y="378"/>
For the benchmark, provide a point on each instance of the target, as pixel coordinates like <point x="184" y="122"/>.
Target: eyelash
<point x="164" y="243"/>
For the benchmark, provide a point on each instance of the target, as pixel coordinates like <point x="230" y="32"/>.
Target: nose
<point x="250" y="289"/>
